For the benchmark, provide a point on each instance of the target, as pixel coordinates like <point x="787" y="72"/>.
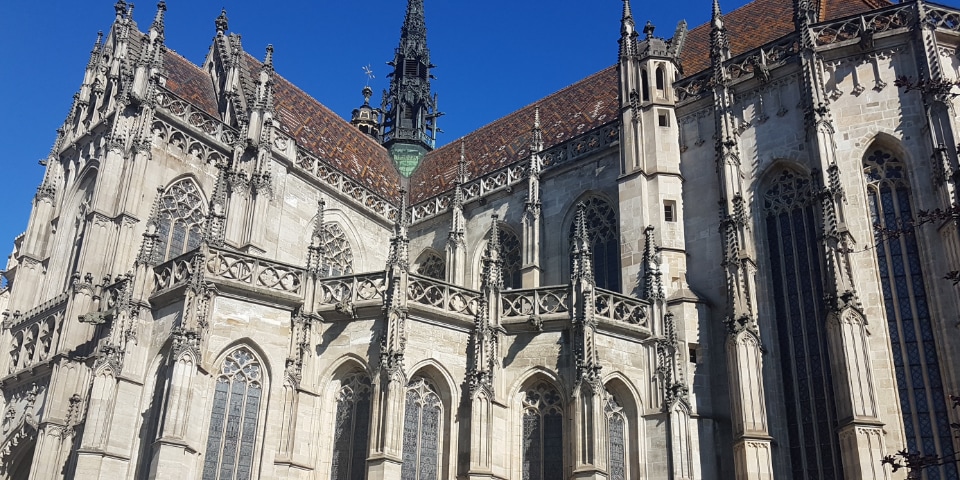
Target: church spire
<point x="410" y="109"/>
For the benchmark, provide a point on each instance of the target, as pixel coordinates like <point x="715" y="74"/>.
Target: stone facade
<point x="721" y="258"/>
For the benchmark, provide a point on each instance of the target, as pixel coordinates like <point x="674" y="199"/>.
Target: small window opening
<point x="663" y="119"/>
<point x="670" y="211"/>
<point x="693" y="354"/>
<point x="645" y="85"/>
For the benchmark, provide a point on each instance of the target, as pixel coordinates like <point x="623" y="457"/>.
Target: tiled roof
<point x="576" y="109"/>
<point x="331" y="138"/>
<point x="758" y="23"/>
<point x="190" y="83"/>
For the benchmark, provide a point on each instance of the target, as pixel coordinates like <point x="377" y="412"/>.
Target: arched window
<point x="604" y="233"/>
<point x="180" y="219"/>
<point x="616" y="438"/>
<point x="645" y="85"/>
<point x="661" y="82"/>
<point x="422" y="419"/>
<point x="432" y="265"/>
<point x="232" y="434"/>
<point x="791" y="233"/>
<point x="337" y="254"/>
<point x="510" y="254"/>
<point x="351" y="428"/>
<point x="922" y="399"/>
<point x="542" y="433"/>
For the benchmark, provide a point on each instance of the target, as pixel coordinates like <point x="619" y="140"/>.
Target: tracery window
<point x="233" y="422"/>
<point x="180" y="219"/>
<point x="512" y="261"/>
<point x="922" y="399"/>
<point x="791" y="233"/>
<point x="431" y="265"/>
<point x="542" y="433"/>
<point x="616" y="438"/>
<point x="337" y="254"/>
<point x="422" y="419"/>
<point x="351" y="428"/>
<point x="604" y="232"/>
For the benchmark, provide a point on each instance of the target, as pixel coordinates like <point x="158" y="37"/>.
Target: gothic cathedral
<point x="722" y="257"/>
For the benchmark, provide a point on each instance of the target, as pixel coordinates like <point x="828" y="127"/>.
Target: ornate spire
<point x="458" y="227"/>
<point x="221" y="22"/>
<point x="719" y="44"/>
<point x="652" y="278"/>
<point x="157" y="25"/>
<point x="628" y="32"/>
<point x="410" y="110"/>
<point x="316" y="252"/>
<point x="582" y="258"/>
<point x="492" y="263"/>
<point x="150" y="253"/>
<point x="216" y="225"/>
<point x="121" y="8"/>
<point x="536" y="144"/>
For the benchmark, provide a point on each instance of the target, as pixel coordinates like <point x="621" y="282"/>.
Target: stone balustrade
<point x="36" y="334"/>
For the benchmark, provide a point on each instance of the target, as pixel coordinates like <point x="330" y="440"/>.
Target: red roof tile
<point x="331" y="138"/>
<point x="577" y="109"/>
<point x="190" y="83"/>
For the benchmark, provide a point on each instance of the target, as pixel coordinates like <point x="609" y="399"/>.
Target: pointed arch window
<point x="180" y="219"/>
<point x="337" y="255"/>
<point x="231" y="437"/>
<point x="645" y="85"/>
<point x="351" y="429"/>
<point x="510" y="253"/>
<point x="604" y="232"/>
<point x="542" y="433"/>
<point x="616" y="438"/>
<point x="432" y="265"/>
<point x="423" y="414"/>
<point x="791" y="234"/>
<point x="922" y="399"/>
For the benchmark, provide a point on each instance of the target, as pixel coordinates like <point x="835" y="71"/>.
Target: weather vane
<point x="369" y="73"/>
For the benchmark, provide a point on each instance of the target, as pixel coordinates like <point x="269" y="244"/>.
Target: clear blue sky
<point x="493" y="57"/>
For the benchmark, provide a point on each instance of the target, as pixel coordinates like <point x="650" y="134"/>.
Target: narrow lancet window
<point x="542" y="433"/>
<point x="791" y="234"/>
<point x="423" y="414"/>
<point x="231" y="437"/>
<point x="915" y="356"/>
<point x="351" y="428"/>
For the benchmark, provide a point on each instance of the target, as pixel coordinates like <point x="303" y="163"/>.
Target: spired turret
<point x="409" y="111"/>
<point x="367" y="118"/>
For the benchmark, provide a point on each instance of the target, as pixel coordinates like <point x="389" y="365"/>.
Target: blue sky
<point x="493" y="57"/>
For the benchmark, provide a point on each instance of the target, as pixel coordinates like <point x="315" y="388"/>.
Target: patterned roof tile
<point x="190" y="83"/>
<point x="331" y="138"/>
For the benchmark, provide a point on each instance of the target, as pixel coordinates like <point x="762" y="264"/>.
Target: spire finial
<point x="648" y="29"/>
<point x="719" y="45"/>
<point x="221" y="22"/>
<point x="268" y="59"/>
<point x="121" y="8"/>
<point x="462" y="164"/>
<point x="582" y="260"/>
<point x="627" y="11"/>
<point x="157" y="24"/>
<point x="537" y="143"/>
<point x="628" y="32"/>
<point x="494" y="245"/>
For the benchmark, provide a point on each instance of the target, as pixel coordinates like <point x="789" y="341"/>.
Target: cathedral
<point x="726" y="256"/>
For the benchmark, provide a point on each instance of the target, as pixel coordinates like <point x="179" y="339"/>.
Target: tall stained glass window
<point x="432" y="265"/>
<point x="616" y="438"/>
<point x="232" y="434"/>
<point x="423" y="413"/>
<point x="180" y="218"/>
<point x="922" y="399"/>
<point x="337" y="254"/>
<point x="791" y="234"/>
<point x="604" y="232"/>
<point x="512" y="261"/>
<point x="542" y="433"/>
<point x="351" y="428"/>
